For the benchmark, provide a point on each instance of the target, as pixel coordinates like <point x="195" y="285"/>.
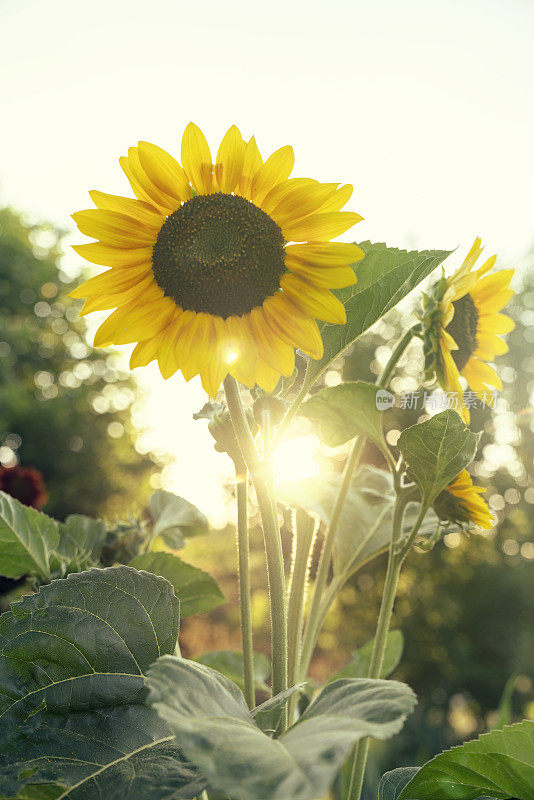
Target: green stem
<point x="291" y="412"/>
<point x="303" y="539"/>
<point x="395" y="561"/>
<point x="394" y="358"/>
<point x="314" y="619"/>
<point x="271" y="533"/>
<point x="243" y="556"/>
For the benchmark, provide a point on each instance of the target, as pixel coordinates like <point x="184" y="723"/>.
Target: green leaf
<point x="364" y="529"/>
<point x="72" y="674"/>
<point x="126" y="753"/>
<point x="196" y="590"/>
<point x="385" y="276"/>
<point x="499" y="764"/>
<point x="175" y="518"/>
<point x="26" y="539"/>
<point x="345" y="411"/>
<point x="269" y="714"/>
<point x="81" y="540"/>
<point x="436" y="451"/>
<point x="230" y="664"/>
<point x="358" y="667"/>
<point x="219" y="735"/>
<point x="392" y="783"/>
<point x="84" y="642"/>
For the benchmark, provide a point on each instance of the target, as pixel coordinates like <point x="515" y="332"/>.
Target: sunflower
<point x="217" y="268"/>
<point x="461" y="502"/>
<point x="462" y="327"/>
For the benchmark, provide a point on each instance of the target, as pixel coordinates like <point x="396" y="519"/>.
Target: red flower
<point x="25" y="484"/>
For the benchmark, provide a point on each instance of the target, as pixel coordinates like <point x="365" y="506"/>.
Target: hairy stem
<point x="271" y="533"/>
<point x="243" y="557"/>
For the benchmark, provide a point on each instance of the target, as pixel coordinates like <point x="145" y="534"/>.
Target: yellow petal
<point x="139" y="320"/>
<point x="195" y="345"/>
<point x="230" y="159"/>
<point x="243" y="368"/>
<point x="216" y="370"/>
<point x="319" y="303"/>
<point x="326" y="254"/>
<point x="300" y="202"/>
<point x="102" y="302"/>
<point x="325" y="277"/>
<point x="491" y="285"/>
<point x="113" y="228"/>
<point x="276" y="169"/>
<point x="142" y="212"/>
<point x="486" y="266"/>
<point x="111" y="282"/>
<point x="275" y="352"/>
<point x="266" y="377"/>
<point x="293" y="325"/>
<point x="489" y="345"/>
<point x="478" y="374"/>
<point x="144" y="352"/>
<point x="196" y="158"/>
<point x="338" y="199"/>
<point x="107" y="256"/>
<point x="447" y="339"/>
<point x="251" y="164"/>
<point x="321" y="226"/>
<point x="164" y="172"/>
<point x="496" y="323"/>
<point x="495" y="302"/>
<point x="143" y="187"/>
<point x="168" y="361"/>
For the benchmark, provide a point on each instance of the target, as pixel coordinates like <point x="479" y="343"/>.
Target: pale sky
<point x="426" y="107"/>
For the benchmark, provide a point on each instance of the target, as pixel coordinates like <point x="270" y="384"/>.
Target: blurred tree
<point x="64" y="408"/>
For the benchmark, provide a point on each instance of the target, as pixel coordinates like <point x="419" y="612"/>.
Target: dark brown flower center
<point x="219" y="253"/>
<point x="463" y="329"/>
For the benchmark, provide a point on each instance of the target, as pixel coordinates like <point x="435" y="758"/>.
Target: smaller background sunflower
<point x="461" y="502"/>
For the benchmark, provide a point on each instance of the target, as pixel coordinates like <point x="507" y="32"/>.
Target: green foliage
<point x="197" y="591"/>
<point x="358" y="667"/>
<point x="218" y="733"/>
<point x="27" y="538"/>
<point x="436" y="451"/>
<point x="80" y="545"/>
<point x="72" y="672"/>
<point x="57" y="397"/>
<point x="268" y="715"/>
<point x="175" y="518"/>
<point x="385" y="276"/>
<point x="346" y="411"/>
<point x="230" y="664"/>
<point x="392" y="783"/>
<point x="499" y="763"/>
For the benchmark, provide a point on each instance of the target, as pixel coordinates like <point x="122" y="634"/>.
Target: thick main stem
<point x="271" y="534"/>
<point x="243" y="557"/>
<point x="304" y="536"/>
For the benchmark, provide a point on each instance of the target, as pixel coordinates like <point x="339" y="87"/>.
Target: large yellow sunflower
<point x="221" y="267"/>
<point x="461" y="502"/>
<point x="462" y="327"/>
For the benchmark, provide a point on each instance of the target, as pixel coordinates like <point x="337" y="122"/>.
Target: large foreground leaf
<point x="436" y="451"/>
<point x="196" y="590"/>
<point x="385" y="276"/>
<point x="499" y="764"/>
<point x="123" y="753"/>
<point x="72" y="666"/>
<point x="84" y="642"/>
<point x="218" y="733"/>
<point x="26" y="539"/>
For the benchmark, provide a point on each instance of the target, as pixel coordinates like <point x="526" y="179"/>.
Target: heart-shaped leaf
<point x="71" y="691"/>
<point x="27" y="538"/>
<point x="499" y="764"/>
<point x="84" y="642"/>
<point x="385" y="276"/>
<point x="196" y="590"/>
<point x="345" y="411"/>
<point x="175" y="518"/>
<point x="436" y="451"/>
<point x="219" y="735"/>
